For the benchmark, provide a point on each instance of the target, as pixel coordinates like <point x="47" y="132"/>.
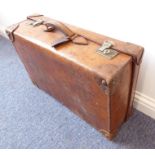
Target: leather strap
<point x="60" y="26"/>
<point x="10" y="30"/>
<point x="53" y="23"/>
<point x="34" y="15"/>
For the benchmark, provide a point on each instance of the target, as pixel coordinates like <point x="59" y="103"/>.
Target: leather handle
<point x="69" y="34"/>
<point x="50" y="25"/>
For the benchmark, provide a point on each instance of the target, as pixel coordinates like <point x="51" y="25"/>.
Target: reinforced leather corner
<point x="10" y="31"/>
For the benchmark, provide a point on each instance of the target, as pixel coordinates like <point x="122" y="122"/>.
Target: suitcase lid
<point x="83" y="54"/>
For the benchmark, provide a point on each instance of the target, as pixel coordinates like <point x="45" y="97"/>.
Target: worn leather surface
<point x="131" y="49"/>
<point x="82" y="54"/>
<point x="97" y="89"/>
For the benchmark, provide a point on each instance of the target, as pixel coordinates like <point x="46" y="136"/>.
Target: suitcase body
<point x="98" y="89"/>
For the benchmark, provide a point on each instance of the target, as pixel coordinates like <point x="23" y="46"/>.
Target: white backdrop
<point x="127" y="20"/>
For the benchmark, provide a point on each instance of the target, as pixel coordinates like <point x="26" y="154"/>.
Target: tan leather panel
<point x="71" y="84"/>
<point x="128" y="48"/>
<point x="119" y="99"/>
<point x="85" y="55"/>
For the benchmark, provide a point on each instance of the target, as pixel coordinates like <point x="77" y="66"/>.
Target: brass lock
<point x="106" y="50"/>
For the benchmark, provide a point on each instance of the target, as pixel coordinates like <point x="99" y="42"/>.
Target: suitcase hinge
<point x="107" y="51"/>
<point x="11" y="30"/>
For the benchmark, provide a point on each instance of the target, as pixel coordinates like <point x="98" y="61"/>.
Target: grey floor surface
<point x="29" y="118"/>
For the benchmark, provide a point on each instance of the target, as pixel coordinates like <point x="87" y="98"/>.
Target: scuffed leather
<point x="98" y="90"/>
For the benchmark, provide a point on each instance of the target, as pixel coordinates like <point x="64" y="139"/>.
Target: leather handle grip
<point x="69" y="35"/>
<point x="54" y="24"/>
<point x="50" y="25"/>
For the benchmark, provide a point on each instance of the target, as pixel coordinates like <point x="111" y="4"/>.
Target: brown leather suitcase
<point x="91" y="74"/>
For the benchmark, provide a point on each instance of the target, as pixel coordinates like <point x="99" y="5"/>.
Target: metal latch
<point x="106" y="50"/>
<point x="37" y="23"/>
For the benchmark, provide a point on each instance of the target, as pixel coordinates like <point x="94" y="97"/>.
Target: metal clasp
<point x="37" y="23"/>
<point x="106" y="50"/>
